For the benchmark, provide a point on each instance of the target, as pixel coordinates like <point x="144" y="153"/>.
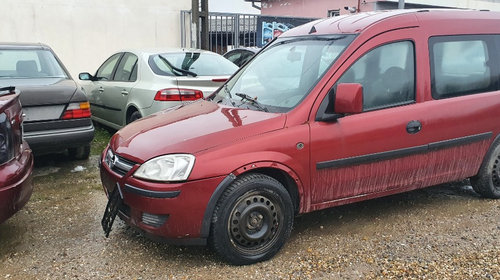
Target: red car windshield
<point x="284" y="73"/>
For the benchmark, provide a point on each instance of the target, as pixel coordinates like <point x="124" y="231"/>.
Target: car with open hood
<point x="57" y="112"/>
<point x="335" y="111"/>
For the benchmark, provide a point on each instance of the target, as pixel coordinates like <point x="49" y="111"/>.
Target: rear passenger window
<point x="461" y="65"/>
<point x="125" y="71"/>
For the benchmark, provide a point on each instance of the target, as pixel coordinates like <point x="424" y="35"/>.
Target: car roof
<point x="13" y="45"/>
<point x="357" y="23"/>
<point x="152" y="51"/>
<point x="251" y="49"/>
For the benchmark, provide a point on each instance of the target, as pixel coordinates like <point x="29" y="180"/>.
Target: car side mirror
<point x="85" y="76"/>
<point x="349" y="99"/>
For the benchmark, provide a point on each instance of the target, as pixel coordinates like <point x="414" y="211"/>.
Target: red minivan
<point x="335" y="111"/>
<point x="16" y="158"/>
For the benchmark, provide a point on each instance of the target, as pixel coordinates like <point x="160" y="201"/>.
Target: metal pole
<point x="237" y="31"/>
<point x="195" y="21"/>
<point x="401" y="4"/>
<point x="204" y="24"/>
<point x="183" y="30"/>
<point x="211" y="31"/>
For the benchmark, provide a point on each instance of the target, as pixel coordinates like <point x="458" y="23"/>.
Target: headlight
<point x="175" y="167"/>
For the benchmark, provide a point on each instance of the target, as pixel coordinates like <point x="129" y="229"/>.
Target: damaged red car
<point x="16" y="159"/>
<point x="335" y="111"/>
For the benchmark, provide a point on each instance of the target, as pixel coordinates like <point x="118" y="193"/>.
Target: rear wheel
<point x="79" y="153"/>
<point x="252" y="220"/>
<point x="134" y="116"/>
<point x="487" y="181"/>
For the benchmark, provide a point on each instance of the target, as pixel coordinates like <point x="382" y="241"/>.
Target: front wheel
<point x="487" y="181"/>
<point x="252" y="220"/>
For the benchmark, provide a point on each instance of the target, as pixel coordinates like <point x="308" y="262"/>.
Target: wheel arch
<point x="277" y="171"/>
<point x="131" y="108"/>
<point x="494" y="143"/>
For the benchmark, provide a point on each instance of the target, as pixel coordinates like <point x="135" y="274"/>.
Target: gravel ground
<point x="443" y="232"/>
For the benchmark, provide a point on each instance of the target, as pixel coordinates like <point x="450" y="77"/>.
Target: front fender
<point x="247" y="168"/>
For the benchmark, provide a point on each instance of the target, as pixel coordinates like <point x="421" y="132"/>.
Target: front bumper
<point x="56" y="136"/>
<point x="16" y="183"/>
<point x="172" y="211"/>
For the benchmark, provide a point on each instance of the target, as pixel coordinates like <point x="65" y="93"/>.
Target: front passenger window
<point x="105" y="72"/>
<point x="387" y="74"/>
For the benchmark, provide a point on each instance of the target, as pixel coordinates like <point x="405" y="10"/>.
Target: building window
<point x="333" y="13"/>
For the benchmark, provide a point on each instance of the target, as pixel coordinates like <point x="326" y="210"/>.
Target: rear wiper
<point x="7" y="90"/>
<point x="252" y="100"/>
<point x="185" y="72"/>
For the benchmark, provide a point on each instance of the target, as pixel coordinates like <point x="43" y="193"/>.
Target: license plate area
<point x="112" y="207"/>
<point x="41" y="113"/>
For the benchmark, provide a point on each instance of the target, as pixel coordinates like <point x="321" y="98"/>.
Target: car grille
<point x="153" y="220"/>
<point x="117" y="163"/>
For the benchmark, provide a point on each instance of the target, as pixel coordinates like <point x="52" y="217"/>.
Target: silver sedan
<point x="132" y="84"/>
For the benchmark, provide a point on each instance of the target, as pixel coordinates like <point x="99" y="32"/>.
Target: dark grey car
<point x="56" y="112"/>
<point x="240" y="56"/>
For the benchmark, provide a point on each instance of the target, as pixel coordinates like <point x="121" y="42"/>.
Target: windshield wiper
<point x="252" y="100"/>
<point x="185" y="72"/>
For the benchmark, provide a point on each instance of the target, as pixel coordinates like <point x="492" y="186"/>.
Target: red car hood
<point x="190" y="129"/>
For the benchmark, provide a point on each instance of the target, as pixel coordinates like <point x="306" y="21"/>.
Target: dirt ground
<point x="443" y="232"/>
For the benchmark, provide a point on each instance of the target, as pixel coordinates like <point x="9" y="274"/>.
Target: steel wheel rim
<point x="254" y="223"/>
<point x="495" y="174"/>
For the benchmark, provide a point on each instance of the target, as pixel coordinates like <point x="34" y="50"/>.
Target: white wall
<point x="232" y="6"/>
<point x="83" y="33"/>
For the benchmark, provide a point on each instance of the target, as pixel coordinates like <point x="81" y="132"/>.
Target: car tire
<point x="487" y="181"/>
<point x="252" y="220"/>
<point x="79" y="153"/>
<point x="134" y="116"/>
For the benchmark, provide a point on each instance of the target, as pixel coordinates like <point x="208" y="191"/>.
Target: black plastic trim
<point x="207" y="218"/>
<point x="460" y="141"/>
<point x="402" y="152"/>
<point x="56" y="124"/>
<point x="152" y="194"/>
<point x="105" y="107"/>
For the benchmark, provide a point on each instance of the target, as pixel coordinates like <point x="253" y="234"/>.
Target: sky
<point x="232" y="6"/>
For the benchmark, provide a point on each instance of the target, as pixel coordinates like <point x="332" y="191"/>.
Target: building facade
<point x="326" y="8"/>
<point x="85" y="33"/>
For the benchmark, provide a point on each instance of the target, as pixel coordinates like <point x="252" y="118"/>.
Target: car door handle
<point x="101" y="90"/>
<point x="413" y="127"/>
<point x="124" y="92"/>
